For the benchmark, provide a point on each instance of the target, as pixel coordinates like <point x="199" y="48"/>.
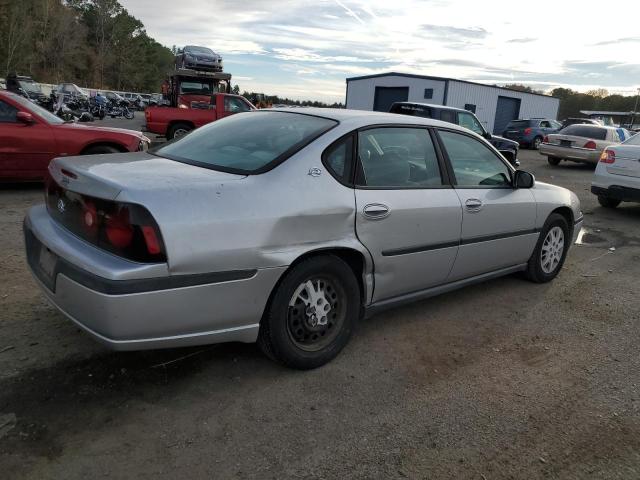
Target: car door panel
<point x="500" y="234"/>
<point x="408" y="220"/>
<point x="498" y="221"/>
<point x="415" y="244"/>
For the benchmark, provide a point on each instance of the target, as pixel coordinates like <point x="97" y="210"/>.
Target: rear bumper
<point x="152" y="312"/>
<point x="617" y="192"/>
<point x="570" y="153"/>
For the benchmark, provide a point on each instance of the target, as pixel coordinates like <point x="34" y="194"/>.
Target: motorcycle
<point x="120" y="108"/>
<point x="97" y="109"/>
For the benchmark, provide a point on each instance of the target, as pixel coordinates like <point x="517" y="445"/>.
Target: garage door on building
<point x="508" y="109"/>
<point x="386" y="96"/>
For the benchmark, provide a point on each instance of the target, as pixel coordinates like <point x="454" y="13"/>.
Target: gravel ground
<point x="503" y="380"/>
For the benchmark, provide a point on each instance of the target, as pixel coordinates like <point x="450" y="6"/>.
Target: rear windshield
<point x="519" y="123"/>
<point x="195" y="87"/>
<point x="635" y="140"/>
<point x="586" y="131"/>
<point x="247" y="143"/>
<point x="412" y="110"/>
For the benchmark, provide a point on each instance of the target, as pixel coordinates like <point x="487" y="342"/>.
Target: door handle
<point x="473" y="205"/>
<point x="376" y="211"/>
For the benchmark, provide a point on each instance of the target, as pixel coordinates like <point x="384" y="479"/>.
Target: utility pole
<point x="635" y="109"/>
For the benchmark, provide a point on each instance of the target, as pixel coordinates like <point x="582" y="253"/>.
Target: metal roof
<point x="442" y="79"/>
<point x="618" y="114"/>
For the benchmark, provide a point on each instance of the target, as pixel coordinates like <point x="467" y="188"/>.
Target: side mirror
<point x="26" y="118"/>
<point x="522" y="179"/>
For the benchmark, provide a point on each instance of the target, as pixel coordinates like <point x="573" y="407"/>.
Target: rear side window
<point x="338" y="158"/>
<point x="411" y="110"/>
<point x="448" y="116"/>
<point x="586" y="131"/>
<point x="247" y="143"/>
<point x="474" y="165"/>
<point x="7" y="113"/>
<point x="397" y="158"/>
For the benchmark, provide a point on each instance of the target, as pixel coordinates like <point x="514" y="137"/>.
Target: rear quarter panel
<point x="259" y="221"/>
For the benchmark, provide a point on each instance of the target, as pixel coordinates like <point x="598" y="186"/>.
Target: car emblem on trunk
<point x="315" y="172"/>
<point x="61" y="205"/>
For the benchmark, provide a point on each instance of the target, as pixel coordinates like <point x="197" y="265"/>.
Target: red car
<point x="30" y="137"/>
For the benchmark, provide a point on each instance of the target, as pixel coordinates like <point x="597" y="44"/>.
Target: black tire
<point x="178" y="128"/>
<point x="287" y="336"/>
<point x="535" y="271"/>
<point x="536" y="143"/>
<point x="553" y="161"/>
<point x="608" y="202"/>
<point x="100" y="149"/>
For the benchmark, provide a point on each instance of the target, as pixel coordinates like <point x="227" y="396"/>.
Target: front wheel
<point x="312" y="313"/>
<point x="551" y="250"/>
<point x="553" y="161"/>
<point x="128" y="114"/>
<point x="608" y="202"/>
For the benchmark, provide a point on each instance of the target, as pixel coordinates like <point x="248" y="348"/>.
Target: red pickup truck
<point x="173" y="122"/>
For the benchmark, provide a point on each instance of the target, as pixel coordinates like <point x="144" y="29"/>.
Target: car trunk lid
<point x="627" y="161"/>
<point x="106" y="176"/>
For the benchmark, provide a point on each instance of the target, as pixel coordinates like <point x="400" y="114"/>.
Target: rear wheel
<point x="312" y="313"/>
<point x="608" y="202"/>
<point x="536" y="143"/>
<point x="553" y="161"/>
<point x="101" y="149"/>
<point x="551" y="250"/>
<point x="178" y="130"/>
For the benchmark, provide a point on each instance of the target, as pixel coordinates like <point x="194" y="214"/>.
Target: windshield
<point x="197" y="88"/>
<point x="635" y="140"/>
<point x="199" y="50"/>
<point x="247" y="143"/>
<point x="38" y="110"/>
<point x="31" y="87"/>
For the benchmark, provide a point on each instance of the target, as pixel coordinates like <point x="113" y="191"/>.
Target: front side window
<point x="469" y="121"/>
<point x="397" y="158"/>
<point x="448" y="116"/>
<point x="247" y="143"/>
<point x="473" y="163"/>
<point x="235" y="105"/>
<point x="7" y="113"/>
<point x="38" y="110"/>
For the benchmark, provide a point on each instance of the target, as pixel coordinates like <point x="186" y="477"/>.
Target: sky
<point x="306" y="50"/>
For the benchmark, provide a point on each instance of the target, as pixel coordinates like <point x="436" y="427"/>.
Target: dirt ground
<point x="504" y="380"/>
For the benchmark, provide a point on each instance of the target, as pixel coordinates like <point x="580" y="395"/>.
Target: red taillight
<point x="151" y="239"/>
<point x="545" y="139"/>
<point x="527" y="131"/>
<point x="591" y="145"/>
<point x="119" y="229"/>
<point x="608" y="156"/>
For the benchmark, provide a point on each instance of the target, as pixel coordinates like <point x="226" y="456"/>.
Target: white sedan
<point x="617" y="177"/>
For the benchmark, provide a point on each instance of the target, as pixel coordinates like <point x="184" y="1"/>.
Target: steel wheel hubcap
<point x="552" y="250"/>
<point x="316" y="313"/>
<point x="181" y="132"/>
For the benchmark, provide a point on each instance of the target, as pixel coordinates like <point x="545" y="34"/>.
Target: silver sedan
<point x="286" y="227"/>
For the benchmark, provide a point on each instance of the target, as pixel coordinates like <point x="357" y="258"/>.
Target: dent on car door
<point x="25" y="149"/>
<point x="498" y="221"/>
<point x="407" y="216"/>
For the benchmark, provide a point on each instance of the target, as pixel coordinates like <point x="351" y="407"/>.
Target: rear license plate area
<point x="565" y="143"/>
<point x="47" y="262"/>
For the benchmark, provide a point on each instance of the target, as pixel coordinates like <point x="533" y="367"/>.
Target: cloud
<point x="522" y="40"/>
<point x="450" y="31"/>
<point x="618" y="41"/>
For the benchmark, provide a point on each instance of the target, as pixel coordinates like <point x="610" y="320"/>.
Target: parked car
<point x="31" y="136"/>
<point x="584" y="121"/>
<point x="465" y="118"/>
<point x="531" y="132"/>
<point x="198" y="58"/>
<point x="284" y="227"/>
<point x="617" y="176"/>
<point x="581" y="143"/>
<point x="115" y="97"/>
<point x="3" y="84"/>
<point x="27" y="87"/>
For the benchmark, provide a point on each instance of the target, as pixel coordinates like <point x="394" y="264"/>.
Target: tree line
<point x="93" y="43"/>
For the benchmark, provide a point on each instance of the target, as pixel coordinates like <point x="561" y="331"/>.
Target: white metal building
<point x="494" y="106"/>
